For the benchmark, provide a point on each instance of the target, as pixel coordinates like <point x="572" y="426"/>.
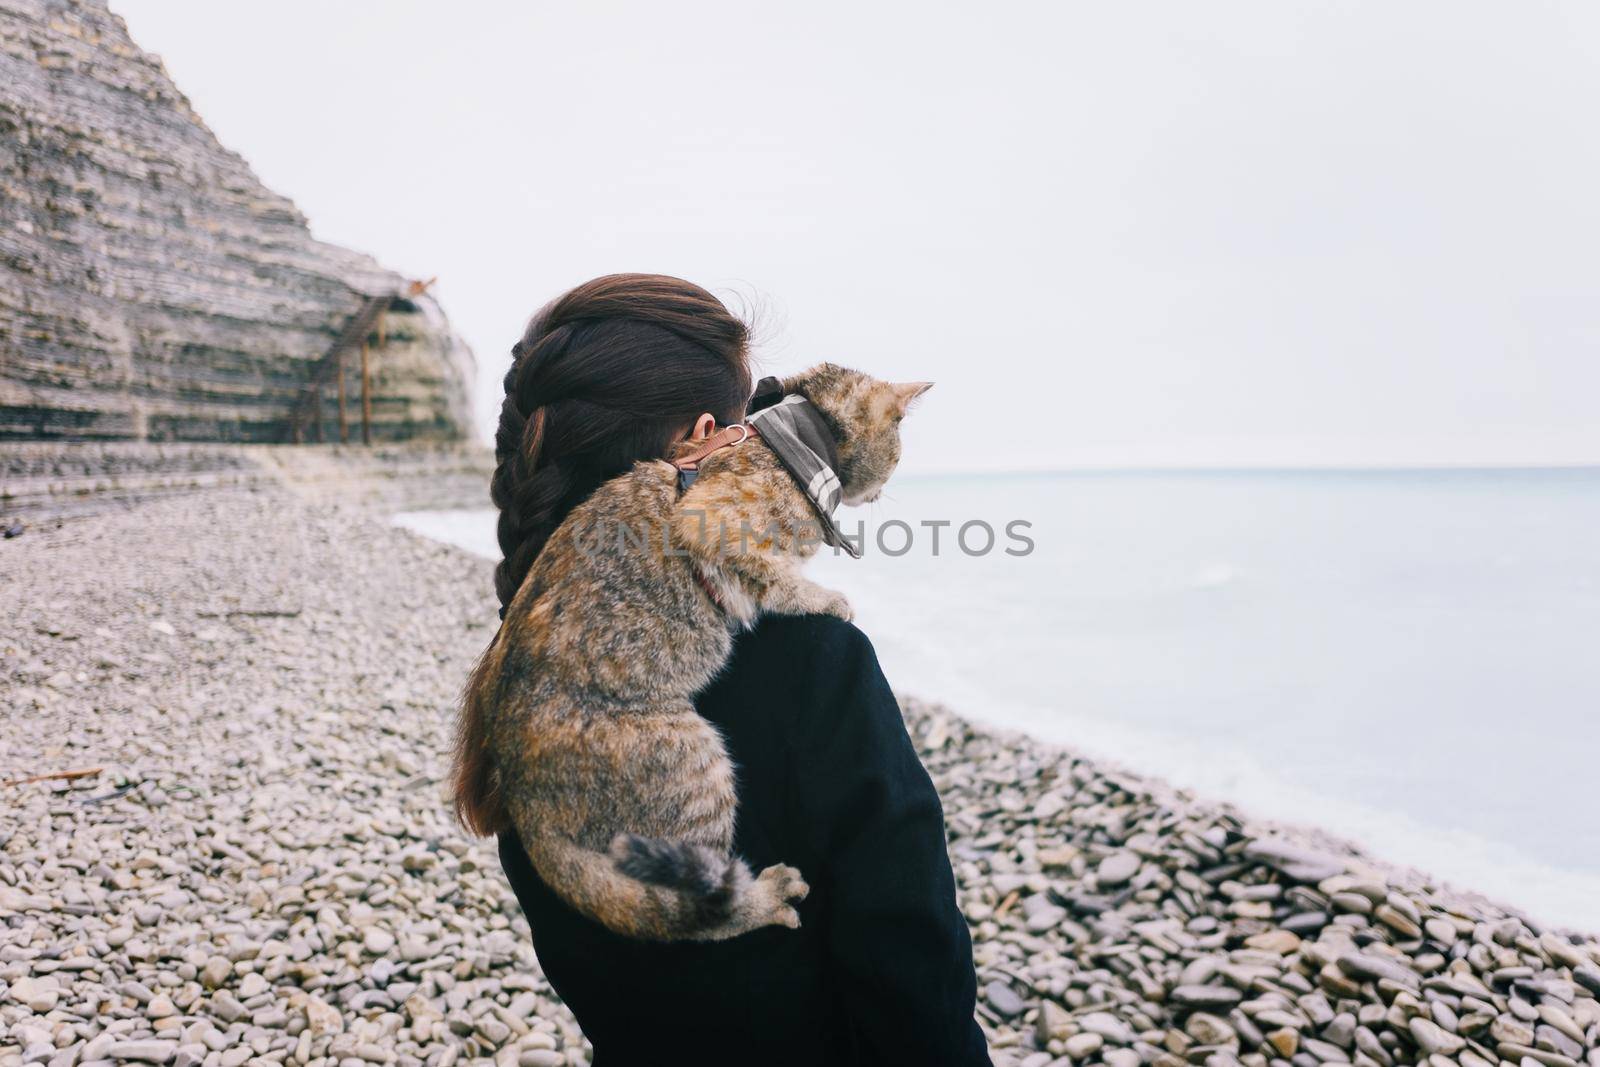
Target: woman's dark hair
<point x="605" y="375"/>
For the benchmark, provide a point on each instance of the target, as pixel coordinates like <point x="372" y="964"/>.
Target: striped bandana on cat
<point x="799" y="437"/>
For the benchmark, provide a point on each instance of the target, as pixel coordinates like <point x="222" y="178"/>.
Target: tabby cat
<point x="623" y="796"/>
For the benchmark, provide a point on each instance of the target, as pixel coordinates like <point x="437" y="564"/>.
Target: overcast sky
<point x="1116" y="233"/>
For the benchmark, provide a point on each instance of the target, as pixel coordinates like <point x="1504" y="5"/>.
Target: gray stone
<point x="1205" y="996"/>
<point x="1510" y="1051"/>
<point x="1432" y="1038"/>
<point x="493" y="1031"/>
<point x="540" y="1057"/>
<point x="1373" y="968"/>
<point x="1588" y="976"/>
<point x="1107" y="1026"/>
<point x="1297" y="862"/>
<point x="1003" y="999"/>
<point x="1507" y="1029"/>
<point x="1324" y="1051"/>
<point x="1082" y="1046"/>
<point x="1341" y="1030"/>
<point x="1053" y="1022"/>
<point x="1116" y="869"/>
<point x="217" y="971"/>
<point x="226" y="1008"/>
<point x="143" y="1051"/>
<point x="1208" y="1029"/>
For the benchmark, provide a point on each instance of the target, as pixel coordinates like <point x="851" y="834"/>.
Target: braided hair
<point x="608" y="374"/>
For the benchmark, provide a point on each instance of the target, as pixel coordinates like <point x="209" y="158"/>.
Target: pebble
<point x="378" y="941"/>
<point x="1053" y="1022"/>
<point x="1116" y="869"/>
<point x="1107" y="1026"/>
<point x="1209" y="1029"/>
<point x="143" y="1051"/>
<point x="1375" y="968"/>
<point x="1285" y="1041"/>
<point x="1003" y="999"/>
<point x="1205" y="996"/>
<point x="494" y="1031"/>
<point x="216" y="972"/>
<point x="1432" y="1038"/>
<point x="1324" y="1051"/>
<point x="1081" y="1046"/>
<point x="1282" y="942"/>
<point x="1507" y="1029"/>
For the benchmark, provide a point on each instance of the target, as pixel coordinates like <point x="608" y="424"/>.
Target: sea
<point x="1408" y="659"/>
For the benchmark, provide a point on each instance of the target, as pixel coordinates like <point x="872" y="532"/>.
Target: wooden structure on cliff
<point x="308" y="413"/>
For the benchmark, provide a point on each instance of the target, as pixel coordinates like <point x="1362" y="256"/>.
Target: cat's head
<point x="864" y="414"/>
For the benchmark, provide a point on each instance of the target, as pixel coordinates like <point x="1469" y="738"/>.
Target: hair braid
<point x="528" y="485"/>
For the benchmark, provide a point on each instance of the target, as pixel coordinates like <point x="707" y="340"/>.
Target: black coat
<point x="880" y="971"/>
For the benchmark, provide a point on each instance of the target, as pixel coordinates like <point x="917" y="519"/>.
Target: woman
<point x="880" y="971"/>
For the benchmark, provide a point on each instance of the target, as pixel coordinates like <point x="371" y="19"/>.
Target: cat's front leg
<point x="793" y="595"/>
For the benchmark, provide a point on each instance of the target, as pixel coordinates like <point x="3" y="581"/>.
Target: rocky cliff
<point x="151" y="287"/>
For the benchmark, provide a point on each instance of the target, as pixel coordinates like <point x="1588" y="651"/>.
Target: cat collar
<point x="799" y="436"/>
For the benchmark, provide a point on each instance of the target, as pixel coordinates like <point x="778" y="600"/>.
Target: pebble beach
<point x="257" y="864"/>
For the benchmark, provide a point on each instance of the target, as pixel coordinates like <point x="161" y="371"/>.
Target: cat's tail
<point x="666" y="891"/>
<point x="708" y="880"/>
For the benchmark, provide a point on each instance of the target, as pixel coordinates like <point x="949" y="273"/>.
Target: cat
<point x="621" y="794"/>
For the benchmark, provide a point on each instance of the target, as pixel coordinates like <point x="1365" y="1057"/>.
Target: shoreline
<point x="46" y="481"/>
<point x="265" y="860"/>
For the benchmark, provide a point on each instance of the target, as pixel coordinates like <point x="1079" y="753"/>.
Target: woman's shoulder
<point x="807" y="674"/>
<point x="807" y="643"/>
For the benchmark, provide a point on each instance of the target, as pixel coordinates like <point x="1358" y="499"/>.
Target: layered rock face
<point x="151" y="287"/>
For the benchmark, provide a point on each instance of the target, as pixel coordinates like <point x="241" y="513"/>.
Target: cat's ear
<point x="906" y="392"/>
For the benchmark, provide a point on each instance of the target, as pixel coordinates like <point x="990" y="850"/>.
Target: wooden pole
<point x="54" y="776"/>
<point x="366" y="396"/>
<point x="344" y="427"/>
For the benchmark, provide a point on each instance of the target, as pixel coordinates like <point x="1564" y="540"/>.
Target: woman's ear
<point x="704" y="427"/>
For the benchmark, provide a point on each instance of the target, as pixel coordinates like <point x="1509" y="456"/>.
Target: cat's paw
<point x="783" y="888"/>
<point x="838" y="606"/>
